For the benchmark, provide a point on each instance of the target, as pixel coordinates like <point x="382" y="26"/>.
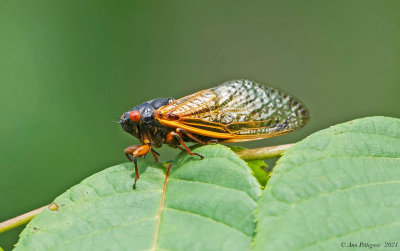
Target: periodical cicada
<point x="235" y="111"/>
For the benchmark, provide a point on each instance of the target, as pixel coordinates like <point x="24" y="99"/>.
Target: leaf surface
<point x="338" y="187"/>
<point x="259" y="167"/>
<point x="206" y="205"/>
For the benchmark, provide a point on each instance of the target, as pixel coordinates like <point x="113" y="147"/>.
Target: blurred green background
<point x="67" y="68"/>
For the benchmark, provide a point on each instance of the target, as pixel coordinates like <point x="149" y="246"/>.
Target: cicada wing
<point x="237" y="110"/>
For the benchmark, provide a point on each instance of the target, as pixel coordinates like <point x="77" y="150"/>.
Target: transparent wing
<point x="237" y="110"/>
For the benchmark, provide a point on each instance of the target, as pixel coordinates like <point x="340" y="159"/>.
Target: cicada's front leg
<point x="132" y="153"/>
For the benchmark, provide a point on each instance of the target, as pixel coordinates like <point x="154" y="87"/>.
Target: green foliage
<point x="259" y="167"/>
<point x="336" y="187"/>
<point x="260" y="171"/>
<point x="206" y="201"/>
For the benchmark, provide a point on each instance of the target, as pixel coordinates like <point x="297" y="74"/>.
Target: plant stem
<point x="263" y="152"/>
<point x="24" y="218"/>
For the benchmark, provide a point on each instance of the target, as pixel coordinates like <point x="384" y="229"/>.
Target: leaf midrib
<point x="157" y="230"/>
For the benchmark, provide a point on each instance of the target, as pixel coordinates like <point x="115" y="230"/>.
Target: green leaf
<point x="208" y="205"/>
<point x="337" y="187"/>
<point x="259" y="167"/>
<point x="259" y="171"/>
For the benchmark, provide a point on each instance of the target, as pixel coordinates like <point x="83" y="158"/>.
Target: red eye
<point x="134" y="116"/>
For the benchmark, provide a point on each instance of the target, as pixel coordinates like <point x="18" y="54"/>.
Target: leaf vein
<point x="293" y="205"/>
<point x="216" y="185"/>
<point x="333" y="157"/>
<point x="207" y="217"/>
<point x="349" y="233"/>
<point x="104" y="230"/>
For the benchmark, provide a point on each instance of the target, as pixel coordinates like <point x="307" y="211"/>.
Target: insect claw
<point x="212" y="141"/>
<point x="134" y="184"/>
<point x="154" y="151"/>
<point x="201" y="156"/>
<point x="129" y="157"/>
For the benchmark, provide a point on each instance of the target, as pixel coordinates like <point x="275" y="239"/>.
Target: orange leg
<point x="155" y="154"/>
<point x="175" y="135"/>
<point x="136" y="151"/>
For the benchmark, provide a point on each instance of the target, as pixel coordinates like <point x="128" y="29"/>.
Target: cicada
<point x="235" y="111"/>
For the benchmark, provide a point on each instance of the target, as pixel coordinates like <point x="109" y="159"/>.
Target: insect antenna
<point x="116" y="122"/>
